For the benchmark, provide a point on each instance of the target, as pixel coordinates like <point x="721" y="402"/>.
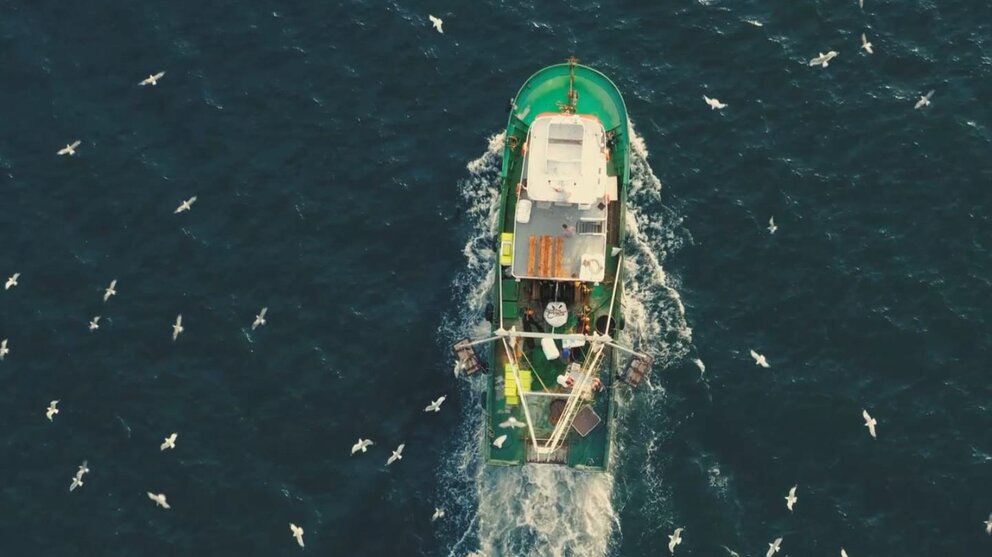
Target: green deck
<point x="547" y="91"/>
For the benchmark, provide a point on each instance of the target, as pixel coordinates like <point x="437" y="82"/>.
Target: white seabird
<point x="77" y="481"/>
<point x="843" y="553"/>
<point x="437" y="23"/>
<point x="731" y="552"/>
<point x="159" y="500"/>
<point x="924" y="100"/>
<point x="865" y="45"/>
<point x="772" y="227"/>
<point x="988" y="525"/>
<point x="870" y="423"/>
<point x="259" y="319"/>
<point x="438" y="513"/>
<point x="12" y="281"/>
<point x="397" y="455"/>
<point x="512" y="422"/>
<point x="95" y="323"/>
<point x="169" y="443"/>
<point x="297" y="533"/>
<point x="177" y="329"/>
<point x="498" y="443"/>
<point x="823" y="60"/>
<point x="715" y="104"/>
<point x="773" y="547"/>
<point x="3" y="349"/>
<point x="110" y="290"/>
<point x="361" y="445"/>
<point x="436" y="405"/>
<point x="674" y="539"/>
<point x="755" y="22"/>
<point x="759" y="359"/>
<point x="185" y="205"/>
<point x="791" y="498"/>
<point x="70" y="149"/>
<point x="151" y="79"/>
<point x="52" y="410"/>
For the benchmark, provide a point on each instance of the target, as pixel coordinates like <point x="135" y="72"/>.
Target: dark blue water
<point x="344" y="160"/>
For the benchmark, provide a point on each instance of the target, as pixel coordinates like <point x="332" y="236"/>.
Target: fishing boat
<point x="554" y="365"/>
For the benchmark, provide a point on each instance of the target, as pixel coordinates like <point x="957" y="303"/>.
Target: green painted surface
<point x="547" y="91"/>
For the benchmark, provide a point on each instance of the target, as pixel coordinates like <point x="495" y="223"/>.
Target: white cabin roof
<point x="566" y="159"/>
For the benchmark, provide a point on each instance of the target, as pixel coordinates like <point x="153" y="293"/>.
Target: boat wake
<point x="549" y="510"/>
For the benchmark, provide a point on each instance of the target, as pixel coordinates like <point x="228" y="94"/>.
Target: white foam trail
<point x="546" y="510"/>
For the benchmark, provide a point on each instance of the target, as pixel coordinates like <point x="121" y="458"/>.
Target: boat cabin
<point x="560" y="217"/>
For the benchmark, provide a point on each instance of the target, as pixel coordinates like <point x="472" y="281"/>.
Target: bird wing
<point x="262" y="313"/>
<point x="179" y="319"/>
<point x="866" y="416"/>
<point x="755" y="355"/>
<point x="929" y="94"/>
<point x="75" y="144"/>
<point x="399" y="450"/>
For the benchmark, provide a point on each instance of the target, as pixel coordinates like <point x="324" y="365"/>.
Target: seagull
<point x="110" y="290"/>
<point x="731" y="552"/>
<point x="397" y="455"/>
<point x="169" y="443"/>
<point x="865" y="45"/>
<point x="512" y="422"/>
<point x="52" y="410"/>
<point x="438" y="513"/>
<point x="824" y="59"/>
<point x="791" y="498"/>
<point x="95" y="324"/>
<point x="152" y="79"/>
<point x="159" y="500"/>
<point x="297" y="533"/>
<point x="773" y="547"/>
<point x="185" y="205"/>
<point x="715" y="104"/>
<point x="755" y="22"/>
<point x="924" y="100"/>
<point x="3" y="349"/>
<point x="870" y="423"/>
<point x="699" y="363"/>
<point x="76" y="482"/>
<point x="498" y="443"/>
<point x="843" y="553"/>
<point x="361" y="445"/>
<point x="759" y="359"/>
<point x="437" y="23"/>
<point x="772" y="227"/>
<point x="177" y="329"/>
<point x="12" y="281"/>
<point x="674" y="539"/>
<point x="436" y="405"/>
<point x="259" y="319"/>
<point x="70" y="149"/>
<point x="988" y="525"/>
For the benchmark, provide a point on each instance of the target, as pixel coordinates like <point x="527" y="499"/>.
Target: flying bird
<point x="3" y="349"/>
<point x="259" y="319"/>
<point x="512" y="422"/>
<point x="297" y="533"/>
<point x="438" y="513"/>
<point x="824" y="59"/>
<point x="791" y="498"/>
<point x="185" y="205"/>
<point x="674" y="539"/>
<point x="865" y="45"/>
<point x="699" y="363"/>
<point x="436" y="405"/>
<point x="924" y="100"/>
<point x="70" y="149"/>
<point x="361" y="445"/>
<point x="715" y="104"/>
<point x="437" y="23"/>
<point x="95" y="324"/>
<point x="397" y="455"/>
<point x="731" y="552"/>
<point x="110" y="290"/>
<point x="843" y="553"/>
<point x="755" y="22"/>
<point x="159" y="500"/>
<point x="52" y="410"/>
<point x="177" y="329"/>
<point x="773" y="547"/>
<point x="759" y="359"/>
<point x="12" y="281"/>
<point x="498" y="443"/>
<point x="152" y="79"/>
<point x="169" y="443"/>
<point x="870" y="423"/>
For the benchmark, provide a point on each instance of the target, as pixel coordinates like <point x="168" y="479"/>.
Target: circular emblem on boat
<point x="556" y="314"/>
